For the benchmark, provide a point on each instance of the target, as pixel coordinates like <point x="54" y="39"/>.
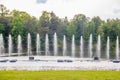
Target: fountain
<point x="19" y="47"/>
<point x="38" y="44"/>
<point x="98" y="47"/>
<point x="117" y="48"/>
<point x="108" y="49"/>
<point x="54" y="62"/>
<point x="10" y="46"/>
<point x="81" y="47"/>
<point x="1" y="45"/>
<point x="55" y="45"/>
<point x="47" y="45"/>
<point x="90" y="47"/>
<point x="64" y="46"/>
<point x="29" y="45"/>
<point x="73" y="46"/>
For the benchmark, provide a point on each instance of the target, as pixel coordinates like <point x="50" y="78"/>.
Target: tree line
<point x="19" y="22"/>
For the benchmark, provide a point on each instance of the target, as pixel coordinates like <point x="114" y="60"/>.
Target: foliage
<point x="2" y="28"/>
<point x="3" y="10"/>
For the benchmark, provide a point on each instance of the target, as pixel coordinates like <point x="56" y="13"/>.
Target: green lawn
<point x="60" y="75"/>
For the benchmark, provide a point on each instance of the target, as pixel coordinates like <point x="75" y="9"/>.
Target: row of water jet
<point x="90" y="47"/>
<point x="47" y="45"/>
<point x="64" y="46"/>
<point x="81" y="47"/>
<point x="1" y="45"/>
<point x="73" y="46"/>
<point x="29" y="45"/>
<point x="98" y="51"/>
<point x="10" y="45"/>
<point x="108" y="48"/>
<point x="38" y="45"/>
<point x="117" y="48"/>
<point x="47" y="52"/>
<point x="55" y="45"/>
<point x="19" y="47"/>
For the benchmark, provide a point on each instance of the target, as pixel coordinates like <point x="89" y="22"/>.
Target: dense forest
<point x="19" y="22"/>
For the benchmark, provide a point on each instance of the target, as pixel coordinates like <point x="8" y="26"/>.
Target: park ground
<point x="60" y="75"/>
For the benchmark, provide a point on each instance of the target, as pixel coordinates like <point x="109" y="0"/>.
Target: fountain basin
<point x="50" y="63"/>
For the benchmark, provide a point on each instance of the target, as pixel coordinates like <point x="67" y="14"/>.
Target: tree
<point x="54" y="23"/>
<point x="2" y="28"/>
<point x="44" y="22"/>
<point x="62" y="27"/>
<point x="71" y="30"/>
<point x="17" y="28"/>
<point x="95" y="23"/>
<point x="78" y="26"/>
<point x="5" y="23"/>
<point x="3" y="11"/>
<point x="111" y="28"/>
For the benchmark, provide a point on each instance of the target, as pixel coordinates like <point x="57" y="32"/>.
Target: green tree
<point x="71" y="29"/>
<point x="95" y="23"/>
<point x="111" y="28"/>
<point x="54" y="23"/>
<point x="78" y="26"/>
<point x="3" y="10"/>
<point x="44" y="22"/>
<point x="2" y="28"/>
<point x="5" y="23"/>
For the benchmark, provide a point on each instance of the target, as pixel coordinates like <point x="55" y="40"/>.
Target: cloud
<point x="41" y="1"/>
<point x="117" y="2"/>
<point x="1" y="0"/>
<point x="116" y="11"/>
<point x="67" y="8"/>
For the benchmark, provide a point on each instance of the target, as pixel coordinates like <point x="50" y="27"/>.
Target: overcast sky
<point x="103" y="8"/>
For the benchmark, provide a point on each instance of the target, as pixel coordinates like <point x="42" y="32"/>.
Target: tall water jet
<point x="108" y="48"/>
<point x="38" y="44"/>
<point x="19" y="47"/>
<point x="64" y="46"/>
<point x="90" y="47"/>
<point x="29" y="45"/>
<point x="10" y="45"/>
<point x="81" y="47"/>
<point x="55" y="45"/>
<point x="1" y="45"/>
<point x="47" y="45"/>
<point x="117" y="48"/>
<point x="73" y="46"/>
<point x="98" y="47"/>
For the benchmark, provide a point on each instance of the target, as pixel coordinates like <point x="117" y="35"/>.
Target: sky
<point x="105" y="9"/>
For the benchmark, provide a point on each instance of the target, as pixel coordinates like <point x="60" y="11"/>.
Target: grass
<point x="60" y="75"/>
